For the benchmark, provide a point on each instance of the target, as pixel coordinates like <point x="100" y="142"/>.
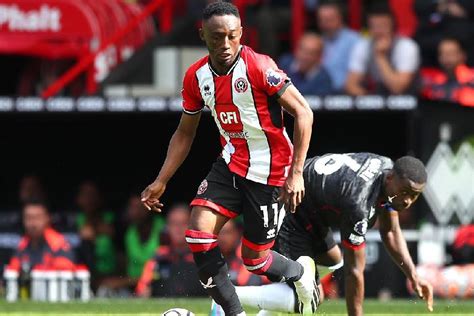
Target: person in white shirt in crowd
<point x="383" y="63"/>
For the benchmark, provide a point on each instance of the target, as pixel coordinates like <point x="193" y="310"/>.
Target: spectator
<point x="305" y="69"/>
<point x="384" y="63"/>
<point x="96" y="231"/>
<point x="441" y="19"/>
<point x="142" y="237"/>
<point x="172" y="271"/>
<point x="31" y="188"/>
<point x="229" y="242"/>
<point x="41" y="244"/>
<point x="454" y="81"/>
<point x="338" y="41"/>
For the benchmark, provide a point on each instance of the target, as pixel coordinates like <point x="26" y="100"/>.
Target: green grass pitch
<point x="140" y="307"/>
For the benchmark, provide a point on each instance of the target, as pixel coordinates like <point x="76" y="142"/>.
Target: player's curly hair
<point x="219" y="8"/>
<point x="410" y="168"/>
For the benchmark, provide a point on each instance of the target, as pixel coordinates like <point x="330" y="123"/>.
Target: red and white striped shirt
<point x="244" y="105"/>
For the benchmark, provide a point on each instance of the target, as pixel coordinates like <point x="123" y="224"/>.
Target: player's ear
<point x="201" y="33"/>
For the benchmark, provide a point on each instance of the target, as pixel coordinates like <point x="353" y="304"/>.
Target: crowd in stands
<point x="129" y="252"/>
<point x="331" y="58"/>
<point x="383" y="62"/>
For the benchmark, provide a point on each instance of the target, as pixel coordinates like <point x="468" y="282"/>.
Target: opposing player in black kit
<point x="350" y="191"/>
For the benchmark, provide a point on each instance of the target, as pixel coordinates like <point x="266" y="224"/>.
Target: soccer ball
<point x="178" y="312"/>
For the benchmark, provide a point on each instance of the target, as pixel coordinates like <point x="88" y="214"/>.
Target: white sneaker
<point x="306" y="287"/>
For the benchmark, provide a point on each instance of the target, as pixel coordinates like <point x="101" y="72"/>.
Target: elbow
<point x="400" y="86"/>
<point x="398" y="89"/>
<point x="353" y="89"/>
<point x="305" y="115"/>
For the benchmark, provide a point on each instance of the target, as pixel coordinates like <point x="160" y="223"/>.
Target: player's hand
<point x="151" y="195"/>
<point x="292" y="192"/>
<point x="424" y="290"/>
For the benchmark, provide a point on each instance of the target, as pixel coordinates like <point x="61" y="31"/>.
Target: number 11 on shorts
<point x="277" y="215"/>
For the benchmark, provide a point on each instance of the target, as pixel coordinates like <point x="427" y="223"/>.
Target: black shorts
<point x="300" y="238"/>
<point x="232" y="195"/>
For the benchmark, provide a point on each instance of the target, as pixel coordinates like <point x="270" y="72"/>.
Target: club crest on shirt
<point x="361" y="227"/>
<point x="273" y="77"/>
<point x="202" y="187"/>
<point x="241" y="85"/>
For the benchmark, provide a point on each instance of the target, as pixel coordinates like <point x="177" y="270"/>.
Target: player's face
<point x="403" y="191"/>
<point x="222" y="36"/>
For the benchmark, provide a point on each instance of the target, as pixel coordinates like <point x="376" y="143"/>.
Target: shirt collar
<point x="215" y="73"/>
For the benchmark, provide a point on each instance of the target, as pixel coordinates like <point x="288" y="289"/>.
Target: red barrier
<point x="89" y="59"/>
<point x="51" y="29"/>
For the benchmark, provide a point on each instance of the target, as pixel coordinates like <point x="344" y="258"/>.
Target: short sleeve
<point x="406" y="57"/>
<point x="274" y="81"/>
<point x="358" y="59"/>
<point x="353" y="229"/>
<point x="192" y="101"/>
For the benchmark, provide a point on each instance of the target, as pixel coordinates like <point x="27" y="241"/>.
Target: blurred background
<point x="89" y="98"/>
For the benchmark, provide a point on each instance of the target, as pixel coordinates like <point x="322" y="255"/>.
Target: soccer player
<point x="258" y="171"/>
<point x="349" y="191"/>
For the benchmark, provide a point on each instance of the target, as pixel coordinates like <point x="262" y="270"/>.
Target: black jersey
<point x="342" y="190"/>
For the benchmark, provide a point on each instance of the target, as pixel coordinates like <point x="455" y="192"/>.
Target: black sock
<point x="214" y="275"/>
<point x="276" y="267"/>
<point x="283" y="269"/>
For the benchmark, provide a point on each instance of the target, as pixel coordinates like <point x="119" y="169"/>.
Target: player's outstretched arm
<point x="178" y="150"/>
<point x="396" y="245"/>
<point x="295" y="104"/>
<point x="354" y="265"/>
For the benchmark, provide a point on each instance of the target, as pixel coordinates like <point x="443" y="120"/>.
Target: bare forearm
<point x="390" y="77"/>
<point x="301" y="139"/>
<point x="354" y="284"/>
<point x="397" y="248"/>
<point x="178" y="150"/>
